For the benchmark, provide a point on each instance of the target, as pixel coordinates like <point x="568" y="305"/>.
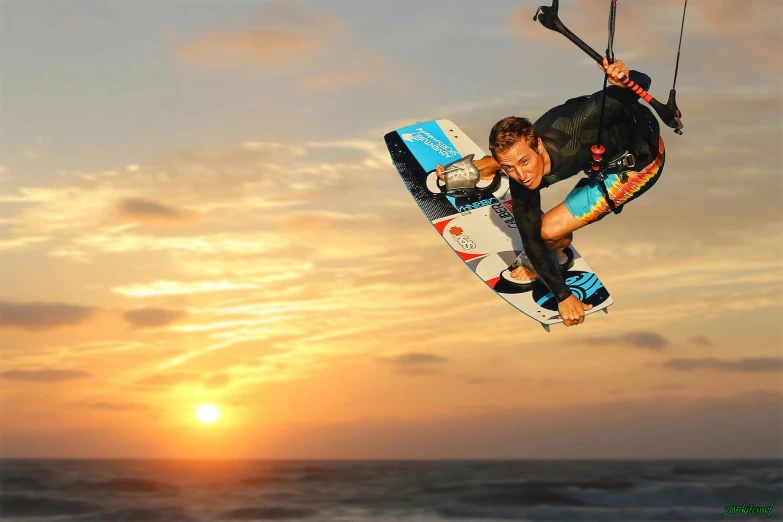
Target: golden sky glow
<point x="189" y="217"/>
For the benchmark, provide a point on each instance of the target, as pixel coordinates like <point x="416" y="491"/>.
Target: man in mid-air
<point x="557" y="147"/>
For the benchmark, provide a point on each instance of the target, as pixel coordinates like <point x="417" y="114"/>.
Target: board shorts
<point x="587" y="202"/>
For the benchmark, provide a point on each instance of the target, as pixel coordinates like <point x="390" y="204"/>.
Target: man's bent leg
<point x="557" y="227"/>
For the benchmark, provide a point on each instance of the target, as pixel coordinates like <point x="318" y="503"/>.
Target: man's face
<point x="523" y="164"/>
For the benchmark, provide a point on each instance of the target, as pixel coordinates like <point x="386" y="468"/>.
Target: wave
<point x="650" y="495"/>
<point x="526" y="487"/>
<point x="24" y="483"/>
<point x="674" y="494"/>
<point x="42" y="506"/>
<point x="123" y="485"/>
<point x="579" y="514"/>
<point x="138" y="515"/>
<point x="267" y="513"/>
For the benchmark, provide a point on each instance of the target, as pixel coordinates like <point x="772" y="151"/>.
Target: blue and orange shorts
<point x="587" y="202"/>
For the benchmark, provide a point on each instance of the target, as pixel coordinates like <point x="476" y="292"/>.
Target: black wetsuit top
<point x="568" y="132"/>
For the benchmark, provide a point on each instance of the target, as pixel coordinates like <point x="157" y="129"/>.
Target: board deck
<point x="481" y="230"/>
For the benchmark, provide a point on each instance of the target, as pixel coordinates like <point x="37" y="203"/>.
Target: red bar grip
<point x="646" y="96"/>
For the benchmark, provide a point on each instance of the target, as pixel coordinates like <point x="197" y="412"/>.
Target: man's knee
<point x="554" y="238"/>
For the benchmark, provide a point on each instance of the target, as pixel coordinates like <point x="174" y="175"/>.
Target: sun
<point x="207" y="413"/>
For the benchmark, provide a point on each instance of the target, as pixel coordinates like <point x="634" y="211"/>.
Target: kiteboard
<point x="479" y="224"/>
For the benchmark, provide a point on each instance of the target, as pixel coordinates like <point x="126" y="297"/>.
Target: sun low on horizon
<point x="207" y="413"/>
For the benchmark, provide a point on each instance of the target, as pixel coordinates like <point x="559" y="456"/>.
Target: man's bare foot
<point x="523" y="274"/>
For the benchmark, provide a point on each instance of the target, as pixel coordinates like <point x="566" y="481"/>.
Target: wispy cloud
<point x="170" y="379"/>
<point x="45" y="376"/>
<point x="235" y="187"/>
<point x="415" y="363"/>
<point x="43" y="316"/>
<point x="646" y="340"/>
<point x="478" y="381"/>
<point x="22" y="242"/>
<point x="164" y="287"/>
<point x="148" y="211"/>
<point x="276" y="49"/>
<point x="289" y="38"/>
<point x="153" y="317"/>
<point x="701" y="340"/>
<point x="118" y="406"/>
<point x="747" y="365"/>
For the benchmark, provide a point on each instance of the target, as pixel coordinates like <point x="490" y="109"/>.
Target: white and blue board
<point x="481" y="229"/>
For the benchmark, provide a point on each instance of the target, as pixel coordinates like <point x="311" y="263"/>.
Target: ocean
<point x="386" y="491"/>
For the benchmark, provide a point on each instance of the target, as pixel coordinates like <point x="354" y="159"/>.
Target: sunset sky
<point x="197" y="208"/>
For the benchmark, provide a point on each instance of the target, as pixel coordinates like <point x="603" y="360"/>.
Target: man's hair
<point x="508" y="131"/>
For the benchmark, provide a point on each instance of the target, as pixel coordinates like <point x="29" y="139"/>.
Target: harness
<point x="669" y="113"/>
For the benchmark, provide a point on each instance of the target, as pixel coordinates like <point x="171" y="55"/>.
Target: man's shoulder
<point x="563" y="113"/>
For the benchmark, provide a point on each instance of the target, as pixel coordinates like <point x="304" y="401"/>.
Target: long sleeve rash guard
<point x="568" y="132"/>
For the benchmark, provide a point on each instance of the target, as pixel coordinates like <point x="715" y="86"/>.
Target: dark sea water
<point x="385" y="491"/>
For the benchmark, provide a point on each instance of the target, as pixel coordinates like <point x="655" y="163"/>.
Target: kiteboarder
<point x="559" y="145"/>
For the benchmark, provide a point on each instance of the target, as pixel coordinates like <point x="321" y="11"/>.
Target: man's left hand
<point x="487" y="167"/>
<point x="572" y="310"/>
<point x="615" y="71"/>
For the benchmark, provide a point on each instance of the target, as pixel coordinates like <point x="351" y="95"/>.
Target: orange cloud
<point x="153" y="317"/>
<point x="45" y="375"/>
<point x="42" y="316"/>
<point x="278" y="49"/>
<point x="415" y="362"/>
<point x="645" y="340"/>
<point x="290" y="40"/>
<point x="141" y="210"/>
<point x="701" y="340"/>
<point x="747" y="365"/>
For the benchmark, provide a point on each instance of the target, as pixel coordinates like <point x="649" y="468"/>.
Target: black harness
<point x="623" y="160"/>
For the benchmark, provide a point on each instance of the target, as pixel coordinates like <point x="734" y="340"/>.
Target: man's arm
<point x="526" y="205"/>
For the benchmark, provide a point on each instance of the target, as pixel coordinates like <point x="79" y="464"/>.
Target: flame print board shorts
<point x="587" y="203"/>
